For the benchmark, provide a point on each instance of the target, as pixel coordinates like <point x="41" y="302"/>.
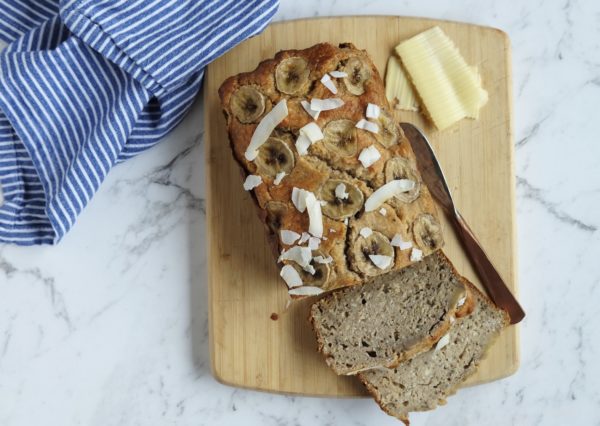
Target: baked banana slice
<point x="276" y="211"/>
<point x="247" y="104"/>
<point x="400" y="168"/>
<point x="340" y="137"/>
<point x="388" y="129"/>
<point x="375" y="244"/>
<point x="274" y="156"/>
<point x="342" y="207"/>
<point x="427" y="232"/>
<point x="321" y="272"/>
<point x="358" y="73"/>
<point x="291" y="76"/>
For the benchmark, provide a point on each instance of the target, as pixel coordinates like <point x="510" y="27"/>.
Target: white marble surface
<point x="110" y="327"/>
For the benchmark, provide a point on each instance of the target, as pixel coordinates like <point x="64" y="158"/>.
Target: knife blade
<point x="434" y="178"/>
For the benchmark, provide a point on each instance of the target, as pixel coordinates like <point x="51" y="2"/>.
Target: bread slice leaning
<point x="390" y="318"/>
<point x="424" y="382"/>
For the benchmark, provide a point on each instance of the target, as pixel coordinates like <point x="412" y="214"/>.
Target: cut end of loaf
<point x="390" y="318"/>
<point x="425" y="381"/>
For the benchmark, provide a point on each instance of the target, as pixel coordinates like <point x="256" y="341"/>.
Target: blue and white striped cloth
<point x="85" y="84"/>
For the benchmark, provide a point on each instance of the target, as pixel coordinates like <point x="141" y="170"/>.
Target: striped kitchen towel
<point x="85" y="84"/>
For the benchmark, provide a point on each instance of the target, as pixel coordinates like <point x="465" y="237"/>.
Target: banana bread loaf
<point x="329" y="168"/>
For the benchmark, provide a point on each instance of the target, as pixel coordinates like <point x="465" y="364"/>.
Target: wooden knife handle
<point x="491" y="279"/>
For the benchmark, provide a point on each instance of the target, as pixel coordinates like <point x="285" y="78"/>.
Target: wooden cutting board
<point x="254" y="341"/>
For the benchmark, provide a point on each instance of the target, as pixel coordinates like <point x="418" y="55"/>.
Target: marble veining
<point x="110" y="327"/>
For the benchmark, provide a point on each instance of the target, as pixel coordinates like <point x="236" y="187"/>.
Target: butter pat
<point x="398" y="88"/>
<point x="449" y="88"/>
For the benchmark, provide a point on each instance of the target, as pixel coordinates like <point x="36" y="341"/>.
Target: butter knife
<point x="433" y="177"/>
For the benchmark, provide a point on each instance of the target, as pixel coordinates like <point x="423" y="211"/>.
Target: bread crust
<point x="312" y="170"/>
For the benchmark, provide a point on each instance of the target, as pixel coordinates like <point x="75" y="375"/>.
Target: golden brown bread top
<point x="246" y="98"/>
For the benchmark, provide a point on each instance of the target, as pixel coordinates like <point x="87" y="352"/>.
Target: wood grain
<point x="248" y="348"/>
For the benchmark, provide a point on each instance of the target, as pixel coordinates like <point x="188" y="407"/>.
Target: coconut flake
<point x="369" y="156"/>
<point x="346" y="221"/>
<point x="315" y="218"/>
<point x="323" y="260"/>
<point x="251" y="182"/>
<point x="340" y="191"/>
<point x="366" y="232"/>
<point x="444" y="340"/>
<point x="382" y="211"/>
<point x="325" y="104"/>
<point x="416" y="255"/>
<point x="323" y="203"/>
<point x="305" y="291"/>
<point x="327" y="82"/>
<point x="391" y="189"/>
<point x="367" y="125"/>
<point x="338" y="74"/>
<point x="298" y="198"/>
<point x="265" y="128"/>
<point x="302" y="144"/>
<point x="304" y="238"/>
<point x="313" y="243"/>
<point x="288" y="237"/>
<point x="381" y="261"/>
<point x="398" y="242"/>
<point x="300" y="255"/>
<point x="310" y="269"/>
<point x="373" y="111"/>
<point x="290" y="276"/>
<point x="312" y="131"/>
<point x="278" y="178"/>
<point x="313" y="113"/>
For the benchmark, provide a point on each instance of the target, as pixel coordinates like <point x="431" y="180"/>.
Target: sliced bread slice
<point x="390" y="318"/>
<point x="424" y="382"/>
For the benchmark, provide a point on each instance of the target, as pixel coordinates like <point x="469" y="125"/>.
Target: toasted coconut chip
<point x="314" y="243"/>
<point x="387" y="191"/>
<point x="315" y="217"/>
<point x="310" y="269"/>
<point x="302" y="144"/>
<point x="278" y="178"/>
<point x="365" y="232"/>
<point x="373" y="111"/>
<point x="288" y="237"/>
<point x="369" y="156"/>
<point x="265" y="128"/>
<point x="338" y="74"/>
<point x="305" y="291"/>
<point x="340" y="191"/>
<point x="300" y="255"/>
<point x="328" y="82"/>
<point x="290" y="276"/>
<point x="251" y="182"/>
<point x="298" y="199"/>
<point x="381" y="261"/>
<point x="444" y="340"/>
<point x="416" y="255"/>
<point x="312" y="131"/>
<point x="398" y="242"/>
<point x="313" y="113"/>
<point x="367" y="125"/>
<point x="325" y="104"/>
<point x="324" y="260"/>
